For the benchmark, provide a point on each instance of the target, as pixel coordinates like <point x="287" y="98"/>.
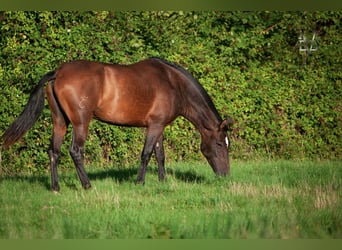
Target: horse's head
<point x="215" y="147"/>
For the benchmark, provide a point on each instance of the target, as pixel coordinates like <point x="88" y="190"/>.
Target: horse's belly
<point x="127" y="113"/>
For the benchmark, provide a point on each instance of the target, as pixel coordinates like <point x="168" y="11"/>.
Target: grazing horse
<point x="151" y="93"/>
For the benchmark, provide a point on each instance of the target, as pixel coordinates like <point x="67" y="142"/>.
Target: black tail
<point x="30" y="114"/>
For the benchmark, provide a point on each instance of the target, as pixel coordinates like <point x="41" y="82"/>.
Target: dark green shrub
<point x="286" y="104"/>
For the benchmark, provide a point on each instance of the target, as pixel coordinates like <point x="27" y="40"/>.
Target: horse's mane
<point x="195" y="84"/>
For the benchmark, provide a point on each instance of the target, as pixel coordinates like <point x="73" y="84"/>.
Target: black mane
<point x="195" y="84"/>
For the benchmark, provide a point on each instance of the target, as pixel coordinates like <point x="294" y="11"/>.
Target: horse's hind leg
<point x="76" y="151"/>
<point x="59" y="131"/>
<point x="60" y="124"/>
<point x="160" y="156"/>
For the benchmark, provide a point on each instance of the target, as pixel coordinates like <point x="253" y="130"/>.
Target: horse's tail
<point x="30" y="114"/>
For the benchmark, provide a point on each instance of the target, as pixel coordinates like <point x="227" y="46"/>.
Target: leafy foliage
<point x="285" y="104"/>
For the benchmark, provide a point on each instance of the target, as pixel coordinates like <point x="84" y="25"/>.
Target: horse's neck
<point x="202" y="117"/>
<point x="197" y="105"/>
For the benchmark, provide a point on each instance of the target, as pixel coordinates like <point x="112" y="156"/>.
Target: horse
<point x="150" y="93"/>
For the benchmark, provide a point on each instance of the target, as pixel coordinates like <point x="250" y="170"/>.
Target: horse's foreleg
<point x="76" y="152"/>
<point x="160" y="156"/>
<point x="152" y="136"/>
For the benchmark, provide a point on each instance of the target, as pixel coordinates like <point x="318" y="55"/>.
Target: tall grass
<point x="281" y="199"/>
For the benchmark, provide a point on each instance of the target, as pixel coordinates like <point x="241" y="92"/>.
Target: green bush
<point x="285" y="104"/>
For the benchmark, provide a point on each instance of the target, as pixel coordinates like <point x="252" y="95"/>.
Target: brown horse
<point x="150" y="93"/>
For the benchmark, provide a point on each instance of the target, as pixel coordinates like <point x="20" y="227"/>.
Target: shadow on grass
<point x="121" y="175"/>
<point x="117" y="174"/>
<point x="187" y="176"/>
<point x="130" y="174"/>
<point x="43" y="180"/>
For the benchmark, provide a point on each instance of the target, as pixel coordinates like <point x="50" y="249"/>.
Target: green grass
<point x="279" y="199"/>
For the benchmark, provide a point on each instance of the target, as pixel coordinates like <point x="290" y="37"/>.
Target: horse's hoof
<point x="162" y="178"/>
<point x="55" y="189"/>
<point x="140" y="182"/>
<point x="87" y="186"/>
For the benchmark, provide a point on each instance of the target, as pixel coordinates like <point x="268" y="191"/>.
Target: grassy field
<point x="279" y="199"/>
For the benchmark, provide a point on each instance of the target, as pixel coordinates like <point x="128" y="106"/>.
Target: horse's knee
<point x="76" y="152"/>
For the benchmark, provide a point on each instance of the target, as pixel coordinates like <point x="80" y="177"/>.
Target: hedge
<point x="285" y="103"/>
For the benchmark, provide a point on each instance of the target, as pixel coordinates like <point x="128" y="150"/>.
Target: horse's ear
<point x="226" y="123"/>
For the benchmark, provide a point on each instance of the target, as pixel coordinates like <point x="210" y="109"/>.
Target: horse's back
<point x="137" y="95"/>
<point x="132" y="95"/>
